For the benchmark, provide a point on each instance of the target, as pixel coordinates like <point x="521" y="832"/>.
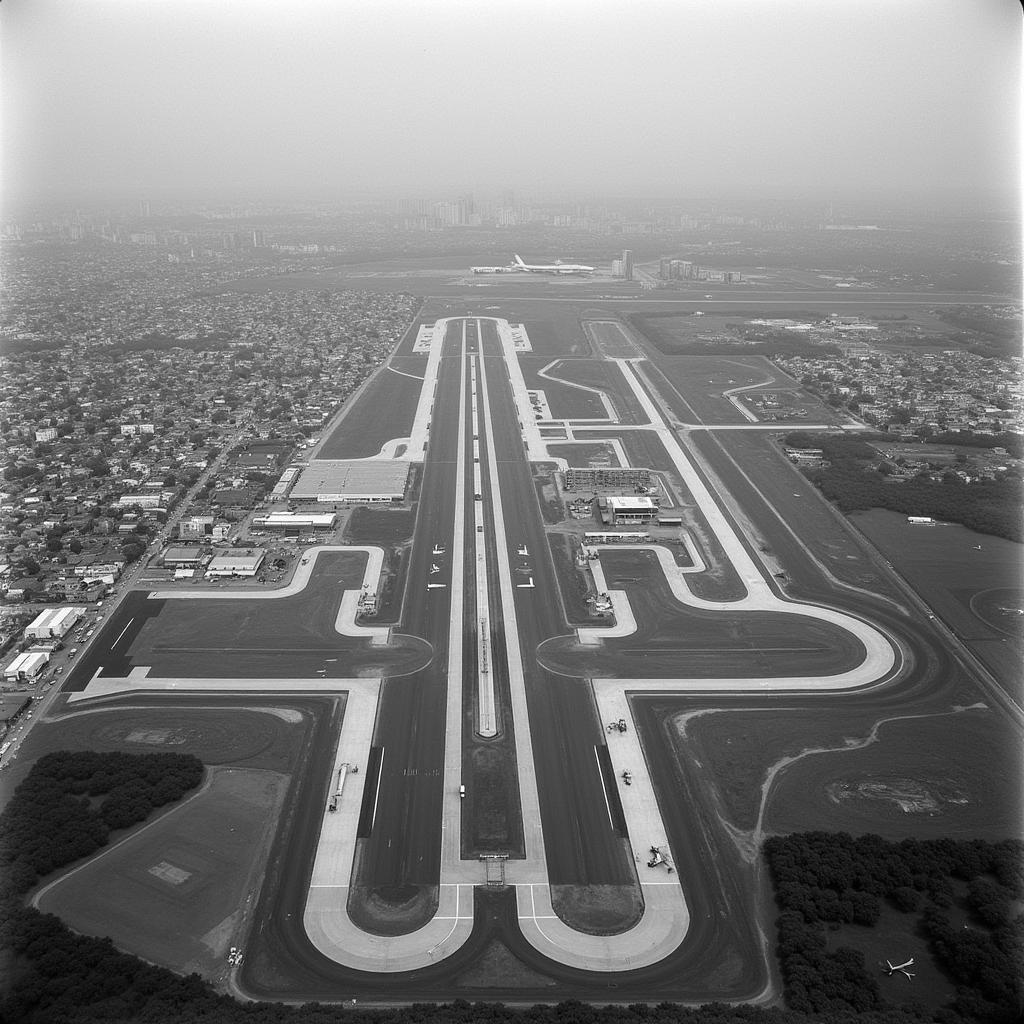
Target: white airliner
<point x="558" y="267"/>
<point x="900" y="968"/>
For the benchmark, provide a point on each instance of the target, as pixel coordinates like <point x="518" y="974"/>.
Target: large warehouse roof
<point x="352" y="480"/>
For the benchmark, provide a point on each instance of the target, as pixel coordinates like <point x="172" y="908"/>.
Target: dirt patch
<point x="598" y="909"/>
<point x="573" y="582"/>
<point x="912" y="796"/>
<point x="497" y="967"/>
<point x="547" y="495"/>
<point x="392" y="910"/>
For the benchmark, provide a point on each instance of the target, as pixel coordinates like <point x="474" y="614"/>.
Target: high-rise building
<point x="627" y="264"/>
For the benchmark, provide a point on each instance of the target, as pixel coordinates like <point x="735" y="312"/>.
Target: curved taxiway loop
<point x="659" y="932"/>
<point x="879" y="659"/>
<point x="665" y="919"/>
<point x="298" y="582"/>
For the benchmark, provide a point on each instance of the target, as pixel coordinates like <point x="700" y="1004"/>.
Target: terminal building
<point x="578" y="479"/>
<point x="630" y="509"/>
<point x="356" y="481"/>
<point x="53" y="623"/>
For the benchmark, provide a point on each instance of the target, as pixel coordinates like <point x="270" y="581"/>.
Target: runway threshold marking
<point x="604" y="788"/>
<point x="376" y="796"/>
<point x="122" y="633"/>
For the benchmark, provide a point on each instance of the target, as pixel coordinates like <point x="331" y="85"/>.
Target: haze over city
<point x="750" y="97"/>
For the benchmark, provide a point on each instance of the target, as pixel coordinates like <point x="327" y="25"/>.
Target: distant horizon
<point x="972" y="202"/>
<point x="729" y="97"/>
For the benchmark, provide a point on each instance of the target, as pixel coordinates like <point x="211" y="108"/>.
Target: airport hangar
<point x="357" y="481"/>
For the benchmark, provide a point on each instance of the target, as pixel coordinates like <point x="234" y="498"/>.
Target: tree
<point x="97" y="465"/>
<point x="131" y="550"/>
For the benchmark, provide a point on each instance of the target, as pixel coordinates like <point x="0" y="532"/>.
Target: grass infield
<point x="176" y="893"/>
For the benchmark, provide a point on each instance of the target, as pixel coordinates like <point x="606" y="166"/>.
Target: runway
<point x="542" y="719"/>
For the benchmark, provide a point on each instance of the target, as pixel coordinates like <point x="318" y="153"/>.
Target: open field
<point x="737" y="748"/>
<point x="384" y="410"/>
<point x="565" y="402"/>
<point x="955" y="775"/>
<point x="699" y="384"/>
<point x="557" y="335"/>
<point x="380" y="526"/>
<point x="973" y="581"/>
<point x="177" y="892"/>
<point x="266" y="734"/>
<point x="608" y="378"/>
<point x="583" y="455"/>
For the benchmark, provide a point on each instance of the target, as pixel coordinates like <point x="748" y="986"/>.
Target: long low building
<point x="295" y="522"/>
<point x="238" y="562"/>
<point x="54" y="622"/>
<point x="182" y="557"/>
<point x="26" y="666"/>
<point x="358" y="481"/>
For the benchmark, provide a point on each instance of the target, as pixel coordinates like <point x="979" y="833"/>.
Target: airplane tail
<point x="518" y="260"/>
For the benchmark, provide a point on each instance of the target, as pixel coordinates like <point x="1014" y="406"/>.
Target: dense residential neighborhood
<point x="140" y="395"/>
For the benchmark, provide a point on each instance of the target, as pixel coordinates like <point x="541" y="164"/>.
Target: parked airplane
<point x="658" y="857"/>
<point x="558" y="267"/>
<point x="438" y="549"/>
<point x="523" y="550"/>
<point x="434" y="568"/>
<point x="900" y="968"/>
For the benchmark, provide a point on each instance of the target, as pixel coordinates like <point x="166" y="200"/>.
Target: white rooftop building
<point x="54" y="622"/>
<point x="26" y="666"/>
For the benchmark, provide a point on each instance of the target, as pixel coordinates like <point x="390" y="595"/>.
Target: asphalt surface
<point x="404" y="846"/>
<point x="722" y="956"/>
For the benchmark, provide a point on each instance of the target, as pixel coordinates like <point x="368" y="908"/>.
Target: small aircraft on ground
<point x="439" y="549"/>
<point x="892" y="968"/>
<point x="658" y="857"/>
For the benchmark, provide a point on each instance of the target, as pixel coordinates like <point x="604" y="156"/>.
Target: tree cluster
<point x="71" y="801"/>
<point x="832" y="878"/>
<point x="1013" y="443"/>
<point x="76" y="798"/>
<point x="986" y="506"/>
<point x="984" y="334"/>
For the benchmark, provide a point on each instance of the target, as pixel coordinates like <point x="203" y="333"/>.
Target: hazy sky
<point x="628" y="96"/>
